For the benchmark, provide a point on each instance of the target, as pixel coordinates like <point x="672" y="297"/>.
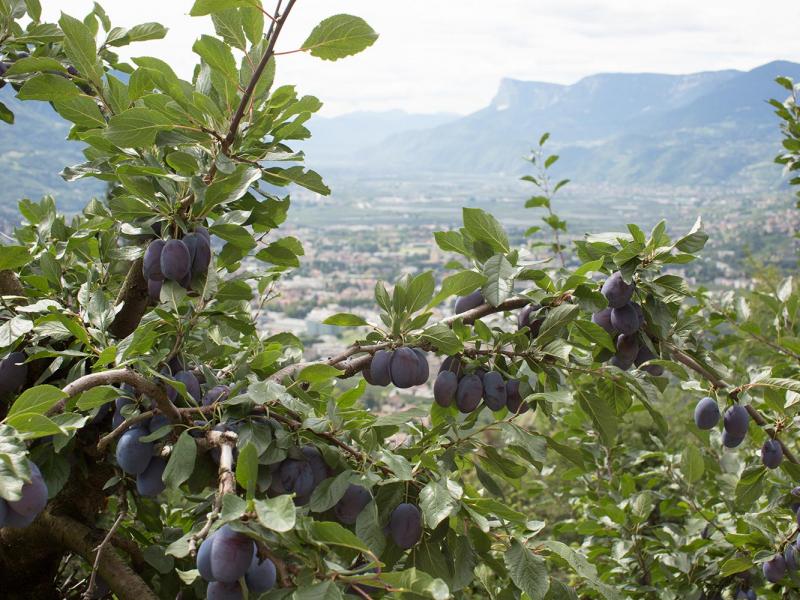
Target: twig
<point x="122" y="428"/>
<point x="87" y="595"/>
<point x="225" y="440"/>
<point x="274" y="33"/>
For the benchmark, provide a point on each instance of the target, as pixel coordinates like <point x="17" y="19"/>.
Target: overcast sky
<point x="449" y="55"/>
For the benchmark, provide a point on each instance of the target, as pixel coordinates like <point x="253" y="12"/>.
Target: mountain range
<point x="707" y="128"/>
<point x="712" y="127"/>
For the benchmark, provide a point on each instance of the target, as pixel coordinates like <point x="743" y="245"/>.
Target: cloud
<point x="449" y="55"/>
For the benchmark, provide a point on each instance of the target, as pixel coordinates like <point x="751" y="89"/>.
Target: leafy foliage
<point x="586" y="479"/>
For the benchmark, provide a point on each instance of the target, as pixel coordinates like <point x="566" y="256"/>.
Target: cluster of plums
<point x="404" y="367"/>
<point x="467" y="390"/>
<point x="22" y="512"/>
<point x="176" y="260"/>
<point x="13" y="373"/>
<point x="780" y="565"/>
<point x="305" y="468"/>
<point x="734" y="429"/>
<point x="135" y="457"/>
<point x="623" y="319"/>
<point x="225" y="557"/>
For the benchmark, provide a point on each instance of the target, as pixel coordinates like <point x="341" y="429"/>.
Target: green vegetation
<point x="154" y="443"/>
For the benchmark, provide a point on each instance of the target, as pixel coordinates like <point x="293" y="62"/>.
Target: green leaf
<point x="307" y="179"/>
<point x="80" y="110"/>
<point x="750" y="486"/>
<point x="277" y="514"/>
<point x="14" y="257"/>
<point x="484" y="227"/>
<point x="206" y="7"/>
<point x="217" y="55"/>
<point x="37" y="400"/>
<point x="33" y="425"/>
<point x="181" y="461"/>
<point x="14" y="469"/>
<point x="325" y="590"/>
<point x="443" y="339"/>
<point x="136" y="127"/>
<point x="340" y="36"/>
<point x="368" y="528"/>
<point x="603" y="415"/>
<point x="459" y="284"/>
<point x="692" y="465"/>
<point x="47" y="87"/>
<point x="230" y="187"/>
<point x="436" y="503"/>
<point x="556" y="319"/>
<point x="736" y="564"/>
<point x="413" y="583"/>
<point x="330" y="533"/>
<point x="583" y="568"/>
<point x="499" y="279"/>
<point x="695" y="240"/>
<point x="527" y="570"/>
<point x="345" y="320"/>
<point x="247" y="469"/>
<point x="419" y="291"/>
<point x="137" y="33"/>
<point x="451" y="241"/>
<point x="97" y="397"/>
<point x="80" y="47"/>
<point x="318" y="373"/>
<point x="329" y="492"/>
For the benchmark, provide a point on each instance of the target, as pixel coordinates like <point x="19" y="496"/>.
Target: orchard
<point x="599" y="429"/>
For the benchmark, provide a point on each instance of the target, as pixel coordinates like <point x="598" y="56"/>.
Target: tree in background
<point x="154" y="445"/>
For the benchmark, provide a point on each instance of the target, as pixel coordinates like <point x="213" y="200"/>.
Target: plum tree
<point x="82" y="302"/>
<point x="469" y="393"/>
<point x="444" y="388"/>
<point x="736" y="421"/>
<point x="468" y="302"/>
<point x="149" y="482"/>
<point x="625" y="319"/>
<point x="494" y="390"/>
<point x="133" y="455"/>
<point x="176" y="262"/>
<point x="351" y="504"/>
<point x="405" y="368"/>
<point x="775" y="569"/>
<point x="231" y="555"/>
<point x="261" y="575"/>
<point x="617" y="291"/>
<point x="405" y="525"/>
<point x="706" y="413"/>
<point x="771" y="454"/>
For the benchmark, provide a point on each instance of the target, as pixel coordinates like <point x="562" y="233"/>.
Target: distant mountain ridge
<point x="627" y="128"/>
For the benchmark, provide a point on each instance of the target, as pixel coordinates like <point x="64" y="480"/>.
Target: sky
<point x="450" y="55"/>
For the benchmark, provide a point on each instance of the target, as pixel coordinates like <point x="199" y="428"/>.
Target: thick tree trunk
<point x="134" y="299"/>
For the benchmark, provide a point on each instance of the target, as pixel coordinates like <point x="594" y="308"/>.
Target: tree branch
<point x="122" y="580"/>
<point x="350" y="367"/>
<point x="274" y="33"/>
<point x="116" y="376"/>
<point x="134" y="299"/>
<point x="721" y="384"/>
